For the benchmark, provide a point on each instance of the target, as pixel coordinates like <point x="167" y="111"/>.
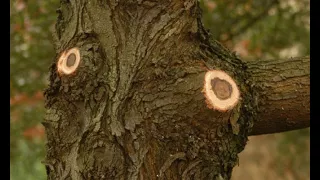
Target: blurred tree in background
<point x="254" y="29"/>
<point x="260" y="29"/>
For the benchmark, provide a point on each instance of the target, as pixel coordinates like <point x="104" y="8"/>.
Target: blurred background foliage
<point x="31" y="52"/>
<point x="260" y="29"/>
<point x="254" y="29"/>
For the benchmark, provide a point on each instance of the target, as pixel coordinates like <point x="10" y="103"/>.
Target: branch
<point x="283" y="88"/>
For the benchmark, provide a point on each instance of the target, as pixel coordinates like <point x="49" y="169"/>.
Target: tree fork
<point x="138" y="90"/>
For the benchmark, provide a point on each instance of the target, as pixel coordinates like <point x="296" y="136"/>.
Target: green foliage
<point x="26" y="154"/>
<point x="26" y="164"/>
<point x="31" y="53"/>
<point x="268" y="27"/>
<point x="31" y="48"/>
<point x="294" y="153"/>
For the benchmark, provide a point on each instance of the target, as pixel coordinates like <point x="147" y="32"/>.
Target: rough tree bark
<point x="129" y="100"/>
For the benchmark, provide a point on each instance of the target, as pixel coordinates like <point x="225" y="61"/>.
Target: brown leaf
<point x="24" y="99"/>
<point x="34" y="132"/>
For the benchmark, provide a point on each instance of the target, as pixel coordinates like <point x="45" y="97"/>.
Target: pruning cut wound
<point x="69" y="61"/>
<point x="220" y="90"/>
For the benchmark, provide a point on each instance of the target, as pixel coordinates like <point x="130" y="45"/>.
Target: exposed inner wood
<point x="221" y="88"/>
<point x="71" y="60"/>
<point x="68" y="61"/>
<point x="141" y="104"/>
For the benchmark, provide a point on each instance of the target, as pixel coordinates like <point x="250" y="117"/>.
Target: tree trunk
<point x="138" y="90"/>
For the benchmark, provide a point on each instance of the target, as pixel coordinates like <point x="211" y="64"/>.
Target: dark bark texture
<point x="284" y="94"/>
<point x="134" y="108"/>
